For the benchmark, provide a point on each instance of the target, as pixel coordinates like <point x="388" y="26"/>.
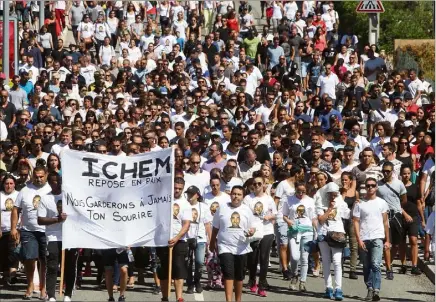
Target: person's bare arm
<point x="183" y="231"/>
<point x="14" y="223"/>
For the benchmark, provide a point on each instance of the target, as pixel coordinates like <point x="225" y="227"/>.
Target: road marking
<point x="198" y="297"/>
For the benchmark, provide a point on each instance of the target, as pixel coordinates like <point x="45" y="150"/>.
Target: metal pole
<point x="5" y="55"/>
<point x="41" y="13"/>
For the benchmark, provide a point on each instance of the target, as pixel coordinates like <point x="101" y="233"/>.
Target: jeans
<point x="54" y="250"/>
<point x="352" y="240"/>
<point x="260" y="254"/>
<point x="372" y="258"/>
<point x="328" y="254"/>
<point x="300" y="253"/>
<point x="196" y="255"/>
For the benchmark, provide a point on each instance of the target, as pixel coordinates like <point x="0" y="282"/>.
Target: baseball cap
<point x="193" y="190"/>
<point x="204" y="137"/>
<point x="331" y="187"/>
<point x="408" y="124"/>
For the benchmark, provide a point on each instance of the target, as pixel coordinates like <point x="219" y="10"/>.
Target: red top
<point x="233" y="24"/>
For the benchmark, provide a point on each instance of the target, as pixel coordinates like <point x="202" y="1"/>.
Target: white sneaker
<point x="52" y="300"/>
<point x="67" y="299"/>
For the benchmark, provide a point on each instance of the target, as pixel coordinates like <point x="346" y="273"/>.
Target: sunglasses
<point x="258" y="184"/>
<point x="371" y="186"/>
<point x="386" y="171"/>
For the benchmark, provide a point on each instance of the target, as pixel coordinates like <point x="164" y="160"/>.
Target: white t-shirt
<point x="429" y="229"/>
<point x="50" y="207"/>
<point x="327" y="84"/>
<point x="28" y="201"/>
<point x="227" y="186"/>
<point x="334" y="222"/>
<point x="32" y="159"/>
<point x="181" y="212"/>
<point x="262" y="206"/>
<point x="428" y="169"/>
<point x="414" y="87"/>
<point x="232" y="224"/>
<point x="200" y="216"/>
<point x="283" y="191"/>
<point x="7" y="202"/>
<point x="370" y="213"/>
<point x="200" y="180"/>
<point x="300" y="211"/>
<point x="214" y="202"/>
<point x="86" y="29"/>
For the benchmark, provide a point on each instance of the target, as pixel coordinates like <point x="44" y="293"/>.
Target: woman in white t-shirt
<point x="232" y="224"/>
<point x="8" y="195"/>
<point x="299" y="214"/>
<point x="277" y="14"/>
<point x="265" y="212"/>
<point x="134" y="52"/>
<point x="86" y="31"/>
<point x="284" y="190"/>
<point x="107" y="52"/>
<point x="330" y="220"/>
<point x="200" y="230"/>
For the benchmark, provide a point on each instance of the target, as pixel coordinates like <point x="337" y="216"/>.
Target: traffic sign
<point x="370" y="6"/>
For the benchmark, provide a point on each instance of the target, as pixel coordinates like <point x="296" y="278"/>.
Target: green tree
<point x="401" y="20"/>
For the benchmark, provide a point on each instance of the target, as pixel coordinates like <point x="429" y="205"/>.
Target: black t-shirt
<point x="262" y="50"/>
<point x="413" y="194"/>
<point x="224" y="34"/>
<point x="329" y="54"/>
<point x="261" y="151"/>
<point x="9" y="111"/>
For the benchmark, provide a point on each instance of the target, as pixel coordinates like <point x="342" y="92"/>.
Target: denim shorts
<point x="281" y="232"/>
<point x="33" y="245"/>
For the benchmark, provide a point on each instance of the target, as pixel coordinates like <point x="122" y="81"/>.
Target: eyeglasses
<point x="368" y="186"/>
<point x="386" y="171"/>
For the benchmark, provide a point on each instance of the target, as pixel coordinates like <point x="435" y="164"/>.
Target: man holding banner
<point x="32" y="235"/>
<point x="182" y="215"/>
<point x="50" y="214"/>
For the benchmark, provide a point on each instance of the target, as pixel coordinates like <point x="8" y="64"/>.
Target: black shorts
<point x="33" y="245"/>
<point x="179" y="268"/>
<point x="233" y="266"/>
<point x="111" y="256"/>
<point x="411" y="229"/>
<point x="396" y="230"/>
<point x="7" y="247"/>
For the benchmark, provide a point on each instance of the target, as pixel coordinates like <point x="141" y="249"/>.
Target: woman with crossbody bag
<point x="331" y="238"/>
<point x="265" y="212"/>
<point x="299" y="214"/>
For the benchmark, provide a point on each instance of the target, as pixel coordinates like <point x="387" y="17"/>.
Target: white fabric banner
<point x="115" y="201"/>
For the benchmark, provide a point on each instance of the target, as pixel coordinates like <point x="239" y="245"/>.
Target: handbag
<point x="336" y="239"/>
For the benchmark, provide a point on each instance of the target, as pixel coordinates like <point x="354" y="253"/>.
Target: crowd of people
<point x="296" y="141"/>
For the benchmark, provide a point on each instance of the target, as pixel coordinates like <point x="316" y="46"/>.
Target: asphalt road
<point x="402" y="288"/>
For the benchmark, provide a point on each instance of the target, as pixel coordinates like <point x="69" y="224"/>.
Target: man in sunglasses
<point x="393" y="191"/>
<point x="36" y="151"/>
<point x="370" y="217"/>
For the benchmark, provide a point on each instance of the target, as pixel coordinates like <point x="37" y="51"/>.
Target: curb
<point x="424" y="266"/>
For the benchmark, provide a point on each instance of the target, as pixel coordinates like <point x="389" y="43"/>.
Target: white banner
<point x="114" y="201"/>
